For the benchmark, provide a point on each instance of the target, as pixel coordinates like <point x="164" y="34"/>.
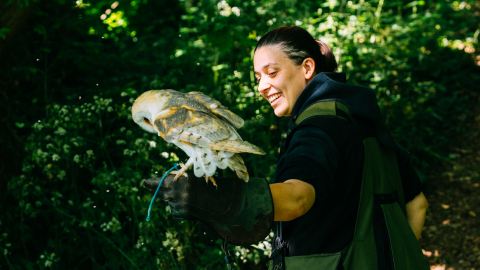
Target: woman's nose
<point x="263" y="85"/>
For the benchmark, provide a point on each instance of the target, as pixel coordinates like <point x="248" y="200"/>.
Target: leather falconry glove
<point x="238" y="210"/>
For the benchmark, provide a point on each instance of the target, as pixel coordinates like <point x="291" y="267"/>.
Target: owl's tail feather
<point x="236" y="164"/>
<point x="236" y="147"/>
<point x="228" y="145"/>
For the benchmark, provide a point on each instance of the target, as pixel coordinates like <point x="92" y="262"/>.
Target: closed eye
<point x="271" y="74"/>
<point x="147" y="121"/>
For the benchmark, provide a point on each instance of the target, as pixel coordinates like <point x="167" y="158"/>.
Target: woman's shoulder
<point x="308" y="131"/>
<point x="310" y="136"/>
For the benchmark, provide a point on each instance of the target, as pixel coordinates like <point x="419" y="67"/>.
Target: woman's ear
<point x="308" y="68"/>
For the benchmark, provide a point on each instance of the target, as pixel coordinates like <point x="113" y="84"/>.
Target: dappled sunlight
<point x="116" y="19"/>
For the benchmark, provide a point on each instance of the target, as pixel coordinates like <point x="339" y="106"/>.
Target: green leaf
<point x="3" y="32"/>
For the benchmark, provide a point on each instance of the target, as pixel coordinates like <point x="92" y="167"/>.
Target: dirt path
<point x="451" y="235"/>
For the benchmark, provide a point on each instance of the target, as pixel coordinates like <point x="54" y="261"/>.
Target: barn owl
<point x="200" y="126"/>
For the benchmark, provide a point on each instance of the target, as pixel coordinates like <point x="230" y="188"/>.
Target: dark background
<point x="72" y="160"/>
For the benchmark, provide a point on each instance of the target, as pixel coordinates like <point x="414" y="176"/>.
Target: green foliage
<point x="3" y="32"/>
<point x="83" y="175"/>
<point x="78" y="201"/>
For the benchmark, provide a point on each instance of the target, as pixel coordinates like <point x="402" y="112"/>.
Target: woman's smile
<point x="273" y="99"/>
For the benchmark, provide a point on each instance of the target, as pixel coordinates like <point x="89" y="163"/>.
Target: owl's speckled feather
<point x="199" y="125"/>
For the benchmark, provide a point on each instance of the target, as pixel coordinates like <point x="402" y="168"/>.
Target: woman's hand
<point x="291" y="199"/>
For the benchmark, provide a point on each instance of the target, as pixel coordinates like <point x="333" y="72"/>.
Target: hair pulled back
<point x="298" y="45"/>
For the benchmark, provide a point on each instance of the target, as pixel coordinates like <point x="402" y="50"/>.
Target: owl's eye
<point x="147" y="121"/>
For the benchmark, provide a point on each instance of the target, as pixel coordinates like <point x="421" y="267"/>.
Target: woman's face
<point x="280" y="81"/>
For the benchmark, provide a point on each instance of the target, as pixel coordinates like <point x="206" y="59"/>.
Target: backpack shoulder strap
<point x="326" y="115"/>
<point x="321" y="108"/>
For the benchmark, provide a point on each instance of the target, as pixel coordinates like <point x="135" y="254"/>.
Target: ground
<point x="451" y="235"/>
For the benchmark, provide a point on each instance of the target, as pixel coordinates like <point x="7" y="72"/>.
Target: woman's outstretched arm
<point x="291" y="199"/>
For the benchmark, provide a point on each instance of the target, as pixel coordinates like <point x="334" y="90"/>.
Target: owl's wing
<point x="190" y="121"/>
<point x="217" y="108"/>
<point x="181" y="113"/>
<point x="204" y="130"/>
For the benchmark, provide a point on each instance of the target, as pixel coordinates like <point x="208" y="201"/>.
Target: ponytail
<point x="329" y="62"/>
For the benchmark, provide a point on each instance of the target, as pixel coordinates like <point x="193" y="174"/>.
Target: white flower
<point x="153" y="144"/>
<point x="76" y="158"/>
<point x="55" y="157"/>
<point x="90" y="152"/>
<point x="224" y="8"/>
<point x="236" y="11"/>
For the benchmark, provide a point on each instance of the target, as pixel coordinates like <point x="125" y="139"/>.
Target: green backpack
<point x="383" y="239"/>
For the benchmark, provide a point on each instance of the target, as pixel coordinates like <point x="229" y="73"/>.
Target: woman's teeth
<point x="273" y="98"/>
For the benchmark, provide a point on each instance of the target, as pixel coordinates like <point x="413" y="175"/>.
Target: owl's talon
<point x="207" y="178"/>
<point x="180" y="172"/>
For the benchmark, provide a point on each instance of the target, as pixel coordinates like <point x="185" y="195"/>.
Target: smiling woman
<point x="280" y="81"/>
<point x="285" y="61"/>
<point x="337" y="159"/>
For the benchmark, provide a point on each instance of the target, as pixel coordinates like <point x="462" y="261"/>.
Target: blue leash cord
<point x="175" y="167"/>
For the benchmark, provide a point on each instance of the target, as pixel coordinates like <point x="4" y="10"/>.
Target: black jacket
<point x="331" y="160"/>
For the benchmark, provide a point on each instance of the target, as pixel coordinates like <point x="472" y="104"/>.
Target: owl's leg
<point x="211" y="180"/>
<point x="182" y="170"/>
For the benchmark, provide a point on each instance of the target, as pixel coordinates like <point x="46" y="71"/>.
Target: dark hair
<point x="298" y="45"/>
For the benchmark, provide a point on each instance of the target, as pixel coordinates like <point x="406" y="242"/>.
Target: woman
<point x="318" y="177"/>
<point x="323" y="197"/>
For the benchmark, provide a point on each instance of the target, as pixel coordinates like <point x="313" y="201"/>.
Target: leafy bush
<point x="81" y="188"/>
